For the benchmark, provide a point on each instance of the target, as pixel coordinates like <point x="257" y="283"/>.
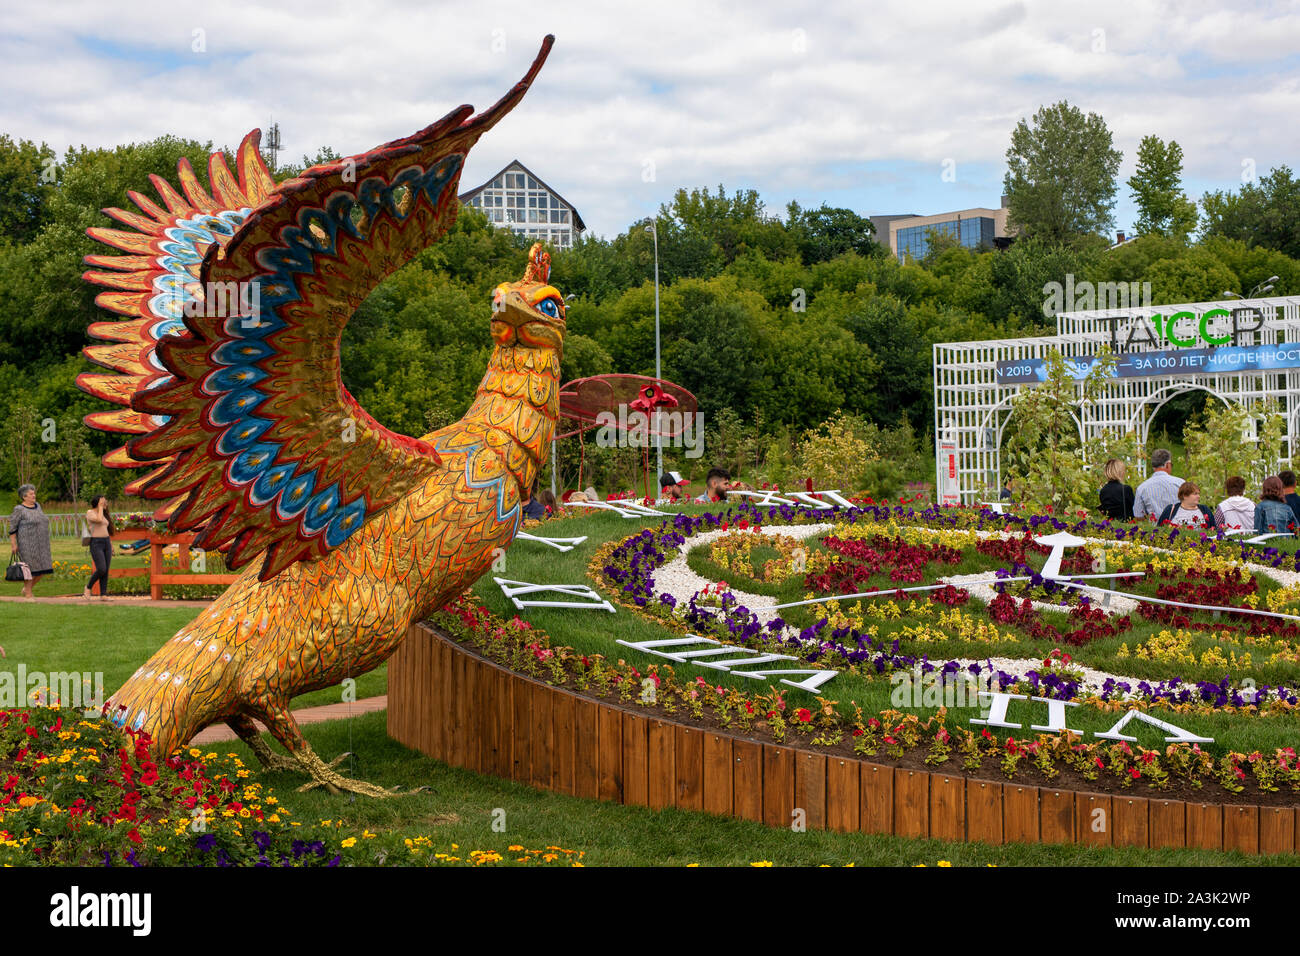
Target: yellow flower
<point x="762" y="863"/>
<point x="944" y="863"/>
<point x="349" y="842"/>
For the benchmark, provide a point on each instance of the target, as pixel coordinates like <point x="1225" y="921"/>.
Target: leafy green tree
<point x="1021" y="276"/>
<point x="1195" y="276"/>
<point x="731" y="224"/>
<point x="1163" y="208"/>
<point x="20" y="439"/>
<point x="1060" y="175"/>
<point x="323" y="155"/>
<point x="1226" y="440"/>
<point x="1253" y="265"/>
<point x="1266" y="213"/>
<point x="902" y="385"/>
<point x="27" y="177"/>
<point x="824" y="233"/>
<point x="1044" y="456"/>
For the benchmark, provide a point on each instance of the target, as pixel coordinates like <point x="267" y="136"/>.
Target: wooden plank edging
<point x="448" y="702"/>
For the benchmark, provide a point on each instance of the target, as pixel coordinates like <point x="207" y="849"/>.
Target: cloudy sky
<point x="864" y="105"/>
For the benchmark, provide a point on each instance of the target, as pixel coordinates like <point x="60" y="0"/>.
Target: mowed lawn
<point x="451" y="805"/>
<point x="113" y="640"/>
<point x="596" y="632"/>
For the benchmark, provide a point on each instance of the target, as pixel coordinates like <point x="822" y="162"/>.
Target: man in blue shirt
<point x="1160" y="490"/>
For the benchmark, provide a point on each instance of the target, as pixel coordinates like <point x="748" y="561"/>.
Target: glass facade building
<point x="974" y="232"/>
<point x="518" y="200"/>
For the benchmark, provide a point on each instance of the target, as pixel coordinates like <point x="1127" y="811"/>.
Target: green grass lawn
<point x="597" y="631"/>
<point x="69" y="581"/>
<point x="115" y="640"/>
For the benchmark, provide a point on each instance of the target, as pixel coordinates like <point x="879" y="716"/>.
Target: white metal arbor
<point x="972" y="408"/>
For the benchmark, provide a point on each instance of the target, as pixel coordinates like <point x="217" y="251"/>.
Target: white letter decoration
<point x="593" y="602"/>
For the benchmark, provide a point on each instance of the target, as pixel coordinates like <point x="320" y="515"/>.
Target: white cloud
<point x="863" y="100"/>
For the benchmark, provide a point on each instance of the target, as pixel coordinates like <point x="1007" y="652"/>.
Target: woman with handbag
<point x="99" y="525"/>
<point x="29" y="539"/>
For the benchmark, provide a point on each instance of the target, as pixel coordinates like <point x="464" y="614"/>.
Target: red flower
<point x="1134" y="772"/>
<point x="804" y="714"/>
<point x="134" y="836"/>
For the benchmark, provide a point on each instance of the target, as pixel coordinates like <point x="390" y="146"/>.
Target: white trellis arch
<point x="1146" y="414"/>
<point x="971" y="399"/>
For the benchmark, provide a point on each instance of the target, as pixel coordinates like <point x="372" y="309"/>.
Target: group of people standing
<point x="1168" y="498"/>
<point x="30" y="549"/>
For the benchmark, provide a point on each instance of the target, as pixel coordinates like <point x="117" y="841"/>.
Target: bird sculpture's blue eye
<point x="548" y="307"/>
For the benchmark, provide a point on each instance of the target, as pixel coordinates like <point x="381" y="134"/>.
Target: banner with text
<point x="1213" y="361"/>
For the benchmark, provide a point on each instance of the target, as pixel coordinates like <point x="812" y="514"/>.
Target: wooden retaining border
<point x="451" y="704"/>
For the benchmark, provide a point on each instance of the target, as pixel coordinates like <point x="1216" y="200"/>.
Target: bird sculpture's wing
<point x="228" y="357"/>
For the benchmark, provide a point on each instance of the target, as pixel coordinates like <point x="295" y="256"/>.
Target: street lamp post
<point x="1261" y="289"/>
<point x="652" y="228"/>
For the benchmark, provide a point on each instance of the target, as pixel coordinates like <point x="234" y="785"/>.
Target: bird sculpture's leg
<point x="285" y="729"/>
<point x="247" y="731"/>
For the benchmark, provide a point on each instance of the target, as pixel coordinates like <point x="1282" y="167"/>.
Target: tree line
<point x="778" y="323"/>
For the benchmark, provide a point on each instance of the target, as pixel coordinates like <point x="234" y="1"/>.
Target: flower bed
<point x="1063" y="760"/>
<point x="878" y="636"/>
<point x="85" y="793"/>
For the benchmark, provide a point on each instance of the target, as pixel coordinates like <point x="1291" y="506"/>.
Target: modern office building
<point x="518" y="200"/>
<point x="881" y="224"/>
<point x="974" y="228"/>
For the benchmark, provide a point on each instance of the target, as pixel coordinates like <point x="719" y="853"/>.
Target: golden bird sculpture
<point x="230" y="308"/>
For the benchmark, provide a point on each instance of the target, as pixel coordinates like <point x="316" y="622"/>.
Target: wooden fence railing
<point x="159" y="577"/>
<point x="61" y="525"/>
<point x="446" y="701"/>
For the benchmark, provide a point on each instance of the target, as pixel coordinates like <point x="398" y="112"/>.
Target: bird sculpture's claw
<point x="324" y="775"/>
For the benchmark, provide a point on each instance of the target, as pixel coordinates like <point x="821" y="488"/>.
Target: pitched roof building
<point x="516" y="199"/>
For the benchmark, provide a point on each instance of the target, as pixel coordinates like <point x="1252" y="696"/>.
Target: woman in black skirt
<point x="99" y="522"/>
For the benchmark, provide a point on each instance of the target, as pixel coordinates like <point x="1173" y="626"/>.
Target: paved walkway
<point x="113" y="601"/>
<point x="218" y="733"/>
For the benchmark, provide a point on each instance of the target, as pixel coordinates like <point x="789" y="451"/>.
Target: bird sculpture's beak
<point x="516" y="322"/>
